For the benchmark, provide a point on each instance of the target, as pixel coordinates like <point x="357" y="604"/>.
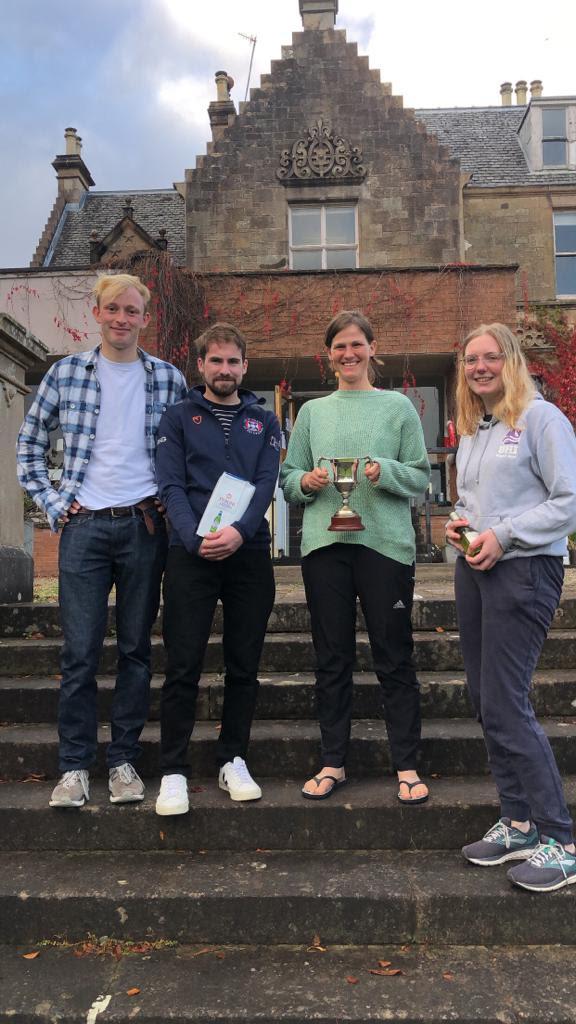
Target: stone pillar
<point x="318" y="14"/>
<point x="19" y="351"/>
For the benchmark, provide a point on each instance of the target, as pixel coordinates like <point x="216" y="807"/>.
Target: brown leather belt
<point x="119" y="511"/>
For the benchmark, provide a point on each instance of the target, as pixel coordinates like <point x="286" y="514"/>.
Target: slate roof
<point x="486" y="141"/>
<point x="101" y="211"/>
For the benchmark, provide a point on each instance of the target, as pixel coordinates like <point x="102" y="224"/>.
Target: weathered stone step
<point x="287" y="696"/>
<point x="283" y="652"/>
<point x="365" y="814"/>
<point x="274" y="898"/>
<point x="290" y="615"/>
<point x="288" y="748"/>
<point x="291" y="985"/>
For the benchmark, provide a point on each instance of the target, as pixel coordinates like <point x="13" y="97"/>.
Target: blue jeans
<point x="503" y="617"/>
<point x="96" y="553"/>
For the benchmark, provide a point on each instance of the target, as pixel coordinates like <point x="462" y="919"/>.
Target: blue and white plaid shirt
<point x="69" y="397"/>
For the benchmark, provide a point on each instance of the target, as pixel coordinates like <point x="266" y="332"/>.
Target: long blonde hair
<point x="518" y="385"/>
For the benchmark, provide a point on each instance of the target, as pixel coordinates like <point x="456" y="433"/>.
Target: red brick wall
<point x="417" y="311"/>
<point x="45" y="552"/>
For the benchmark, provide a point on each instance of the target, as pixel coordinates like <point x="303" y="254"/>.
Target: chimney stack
<point x="222" y="112"/>
<point x="506" y="94"/>
<point x="73" y="176"/>
<point x="521" y="92"/>
<point x="318" y="14"/>
<point x="535" y="89"/>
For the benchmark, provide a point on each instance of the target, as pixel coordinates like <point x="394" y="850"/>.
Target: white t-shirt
<point x="119" y="471"/>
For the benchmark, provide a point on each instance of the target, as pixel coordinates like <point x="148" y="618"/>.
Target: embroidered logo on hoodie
<point x="252" y="426"/>
<point x="508" y="448"/>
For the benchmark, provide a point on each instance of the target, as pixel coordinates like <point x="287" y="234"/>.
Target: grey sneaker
<point x="125" y="785"/>
<point x="502" y="842"/>
<point x="72" y="790"/>
<point x="550" y="867"/>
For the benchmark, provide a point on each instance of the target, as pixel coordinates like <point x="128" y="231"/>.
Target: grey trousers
<point x="503" y="616"/>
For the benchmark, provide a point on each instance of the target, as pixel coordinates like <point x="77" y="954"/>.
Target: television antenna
<point x="253" y="40"/>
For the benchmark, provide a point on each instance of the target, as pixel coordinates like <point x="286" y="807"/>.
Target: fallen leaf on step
<point x="448" y="976"/>
<point x="162" y="836"/>
<point x="351" y="980"/>
<point x="34" y="777"/>
<point x="132" y="991"/>
<point x="31" y="956"/>
<point x="384" y="963"/>
<point x="316" y="946"/>
<point x="386" y="974"/>
<point x="440" y="629"/>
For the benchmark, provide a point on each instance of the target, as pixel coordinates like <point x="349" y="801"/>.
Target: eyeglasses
<point x="491" y="358"/>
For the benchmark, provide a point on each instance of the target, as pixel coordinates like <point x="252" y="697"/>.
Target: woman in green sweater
<point x="375" y="564"/>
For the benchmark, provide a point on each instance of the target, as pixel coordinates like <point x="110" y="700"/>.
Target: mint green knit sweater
<point x="382" y="424"/>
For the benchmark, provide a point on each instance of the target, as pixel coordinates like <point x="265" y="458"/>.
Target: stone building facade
<point x="323" y="192"/>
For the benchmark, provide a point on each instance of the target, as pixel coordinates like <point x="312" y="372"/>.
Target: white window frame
<point x="559" y="254"/>
<point x="555" y="138"/>
<point x="323" y="246"/>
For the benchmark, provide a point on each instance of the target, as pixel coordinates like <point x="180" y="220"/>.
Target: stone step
<point x="290" y="615"/>
<point x="275" y="898"/>
<point x="283" y="652"/>
<point x="290" y="985"/>
<point x="365" y="814"/>
<point x="287" y="696"/>
<point x="287" y="748"/>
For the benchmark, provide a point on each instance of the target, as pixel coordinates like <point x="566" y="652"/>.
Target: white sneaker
<point x="72" y="790"/>
<point x="173" y="795"/>
<point x="235" y="778"/>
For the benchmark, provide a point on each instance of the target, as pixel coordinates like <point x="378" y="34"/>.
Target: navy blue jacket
<point x="191" y="454"/>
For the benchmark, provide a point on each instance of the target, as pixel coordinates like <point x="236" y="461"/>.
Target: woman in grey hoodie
<point x="517" y="488"/>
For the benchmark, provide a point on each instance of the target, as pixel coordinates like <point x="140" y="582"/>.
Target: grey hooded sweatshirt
<point x="521" y="483"/>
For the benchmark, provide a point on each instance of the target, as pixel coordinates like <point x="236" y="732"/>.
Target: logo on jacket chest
<point x="252" y="426"/>
<point x="197" y="420"/>
<point x="508" y="447"/>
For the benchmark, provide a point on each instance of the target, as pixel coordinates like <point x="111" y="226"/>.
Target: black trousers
<point x="334" y="577"/>
<point x="244" y="582"/>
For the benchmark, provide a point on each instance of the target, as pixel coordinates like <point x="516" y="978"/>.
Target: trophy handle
<point x="323" y="458"/>
<point x="368" y="460"/>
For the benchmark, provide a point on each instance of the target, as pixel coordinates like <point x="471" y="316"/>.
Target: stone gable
<point x="408" y="198"/>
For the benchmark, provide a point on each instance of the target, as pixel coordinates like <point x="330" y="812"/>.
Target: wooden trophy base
<point x="341" y="522"/>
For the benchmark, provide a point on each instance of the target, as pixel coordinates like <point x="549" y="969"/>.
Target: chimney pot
<point x="222" y="86"/>
<point x="521" y="92"/>
<point x="506" y="94"/>
<point x="128" y="209"/>
<point x="73" y="143"/>
<point x="318" y="14"/>
<point x="535" y="89"/>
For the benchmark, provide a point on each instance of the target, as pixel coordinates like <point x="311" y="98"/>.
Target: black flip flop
<point x="336" y="783"/>
<point x="419" y="800"/>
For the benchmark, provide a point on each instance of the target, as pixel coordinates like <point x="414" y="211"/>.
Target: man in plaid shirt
<point x="107" y="403"/>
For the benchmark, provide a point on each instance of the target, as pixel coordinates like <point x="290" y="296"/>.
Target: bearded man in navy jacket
<point x="219" y="427"/>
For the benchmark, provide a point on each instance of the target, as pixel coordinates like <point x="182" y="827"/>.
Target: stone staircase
<point x="278" y="910"/>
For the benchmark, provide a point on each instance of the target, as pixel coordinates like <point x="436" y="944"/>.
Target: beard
<point x="223" y="387"/>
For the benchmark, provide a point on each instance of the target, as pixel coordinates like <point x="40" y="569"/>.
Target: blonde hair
<point x="117" y="283"/>
<point x="519" y="388"/>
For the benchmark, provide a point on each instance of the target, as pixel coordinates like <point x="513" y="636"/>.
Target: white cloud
<point x="187" y="98"/>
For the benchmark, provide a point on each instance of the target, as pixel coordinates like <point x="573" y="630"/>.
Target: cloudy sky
<point x="135" y="77"/>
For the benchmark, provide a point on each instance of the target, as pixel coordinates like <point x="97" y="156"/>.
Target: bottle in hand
<point x="468" y="536"/>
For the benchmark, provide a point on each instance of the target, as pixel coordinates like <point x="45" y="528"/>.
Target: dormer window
<point x="554" y="142"/>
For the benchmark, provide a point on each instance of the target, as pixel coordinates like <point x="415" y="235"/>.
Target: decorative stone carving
<point x="531" y="338"/>
<point x="321" y="155"/>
